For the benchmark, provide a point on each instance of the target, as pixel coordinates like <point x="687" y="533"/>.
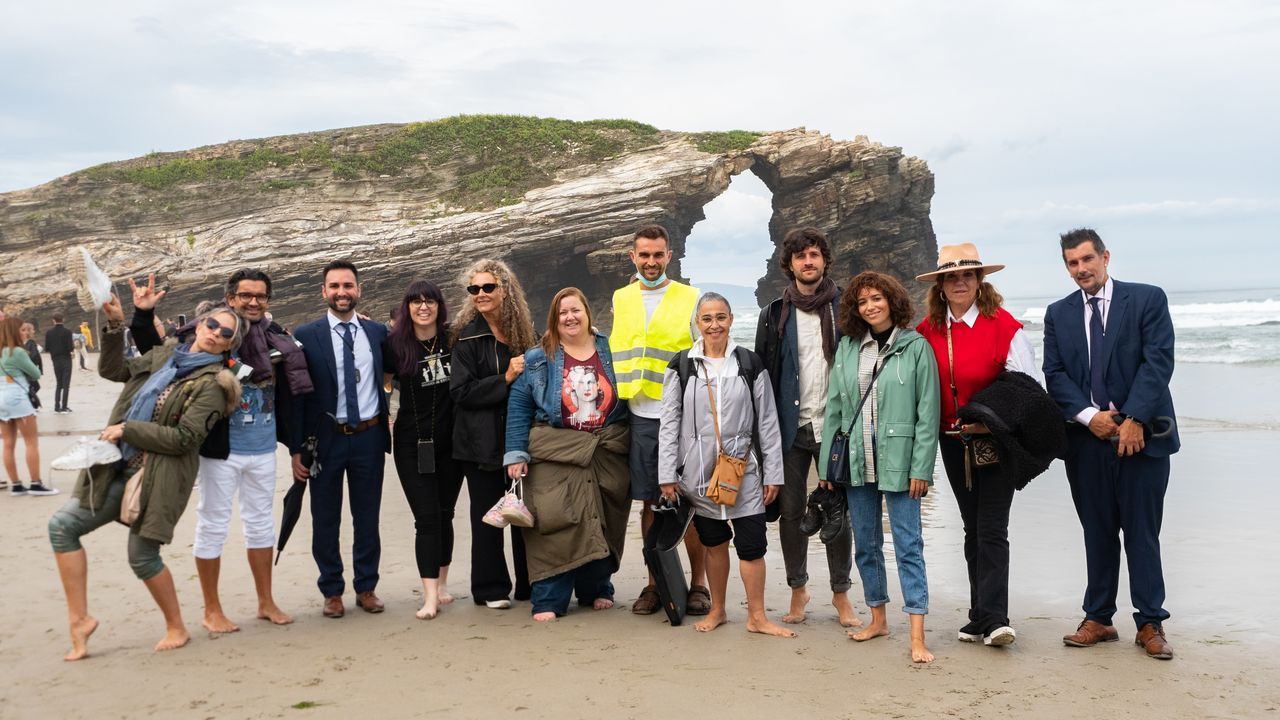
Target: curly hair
<point x="513" y="314"/>
<point x="795" y="241"/>
<point x="551" y="338"/>
<point x="989" y="301"/>
<point x="900" y="311"/>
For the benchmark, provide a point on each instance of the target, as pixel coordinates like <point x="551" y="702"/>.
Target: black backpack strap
<point x="749" y="367"/>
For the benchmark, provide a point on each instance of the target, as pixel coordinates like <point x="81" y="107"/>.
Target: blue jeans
<point x="591" y="581"/>
<point x="908" y="546"/>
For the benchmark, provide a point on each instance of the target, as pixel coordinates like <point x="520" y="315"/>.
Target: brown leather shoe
<point x="333" y="607"/>
<point x="1151" y="638"/>
<point x="369" y="602"/>
<point x="1091" y="633"/>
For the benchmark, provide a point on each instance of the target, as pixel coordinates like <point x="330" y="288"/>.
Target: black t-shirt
<point x="426" y="409"/>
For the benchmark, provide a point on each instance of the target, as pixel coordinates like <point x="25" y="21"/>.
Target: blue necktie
<point x="349" y="374"/>
<point x="1096" y="385"/>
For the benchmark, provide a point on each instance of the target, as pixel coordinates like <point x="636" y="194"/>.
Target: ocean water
<point x="1235" y="327"/>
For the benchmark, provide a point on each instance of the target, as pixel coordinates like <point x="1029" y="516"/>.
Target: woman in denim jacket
<point x="566" y="431"/>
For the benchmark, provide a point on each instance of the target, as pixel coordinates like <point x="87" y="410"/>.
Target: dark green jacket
<point x="171" y="443"/>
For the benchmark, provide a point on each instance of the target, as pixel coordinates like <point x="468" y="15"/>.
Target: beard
<point x="333" y="303"/>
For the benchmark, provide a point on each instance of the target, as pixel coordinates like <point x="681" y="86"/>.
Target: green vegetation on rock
<point x="726" y="141"/>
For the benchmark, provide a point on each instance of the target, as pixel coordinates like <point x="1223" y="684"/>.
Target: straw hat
<point x="963" y="256"/>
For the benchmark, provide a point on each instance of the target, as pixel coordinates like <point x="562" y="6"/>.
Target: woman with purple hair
<point x="417" y="354"/>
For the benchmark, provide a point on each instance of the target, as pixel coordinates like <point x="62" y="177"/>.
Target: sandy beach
<point x="1219" y="542"/>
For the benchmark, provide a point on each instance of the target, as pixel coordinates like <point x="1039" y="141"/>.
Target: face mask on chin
<point x="651" y="284"/>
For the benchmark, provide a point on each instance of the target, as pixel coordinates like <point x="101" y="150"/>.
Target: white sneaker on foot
<point x="1003" y="635"/>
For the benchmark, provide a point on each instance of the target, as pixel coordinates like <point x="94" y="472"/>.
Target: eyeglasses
<point x="225" y="333"/>
<point x="425" y="301"/>
<point x="260" y="298"/>
<point x="488" y="288"/>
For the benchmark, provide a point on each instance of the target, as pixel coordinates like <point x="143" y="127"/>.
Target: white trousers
<point x="255" y="477"/>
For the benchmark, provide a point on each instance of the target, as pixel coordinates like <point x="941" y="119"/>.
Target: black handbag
<point x="838" y="458"/>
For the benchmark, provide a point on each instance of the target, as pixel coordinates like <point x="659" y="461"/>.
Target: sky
<point x="1154" y="122"/>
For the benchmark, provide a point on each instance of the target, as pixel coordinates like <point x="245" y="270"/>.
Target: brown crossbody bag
<point x="978" y="450"/>
<point x="726" y="478"/>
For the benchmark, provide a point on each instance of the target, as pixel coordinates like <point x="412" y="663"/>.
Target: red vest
<point x="980" y="351"/>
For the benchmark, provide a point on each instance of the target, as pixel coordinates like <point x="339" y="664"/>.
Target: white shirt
<point x="1086" y="415"/>
<point x="368" y="381"/>
<point x="1022" y="355"/>
<point x="814" y="370"/>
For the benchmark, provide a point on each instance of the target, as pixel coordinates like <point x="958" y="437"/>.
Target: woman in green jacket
<point x="893" y="442"/>
<point x="172" y="396"/>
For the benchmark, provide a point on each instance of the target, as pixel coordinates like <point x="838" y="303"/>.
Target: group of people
<point x="665" y="409"/>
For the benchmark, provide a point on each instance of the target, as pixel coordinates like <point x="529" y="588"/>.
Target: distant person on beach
<point x="717" y="400"/>
<point x="797" y="336"/>
<point x="61" y="347"/>
<point x="418" y="354"/>
<point x="1108" y="360"/>
<point x="171" y="397"/>
<point x="17" y="414"/>
<point x="88" y="336"/>
<point x="347" y="417"/>
<point x="239" y="454"/>
<point x="33" y="350"/>
<point x="78" y="340"/>
<point x="974" y="339"/>
<point x="884" y="398"/>
<point x="567" y="430"/>
<point x="491" y="335"/>
<point x="652" y="321"/>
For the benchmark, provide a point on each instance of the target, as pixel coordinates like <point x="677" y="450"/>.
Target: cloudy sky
<point x="1156" y="122"/>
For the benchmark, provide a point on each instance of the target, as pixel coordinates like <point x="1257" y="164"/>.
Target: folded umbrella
<point x="292" y="511"/>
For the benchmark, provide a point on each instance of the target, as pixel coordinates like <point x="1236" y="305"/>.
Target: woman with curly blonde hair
<point x="491" y="335"/>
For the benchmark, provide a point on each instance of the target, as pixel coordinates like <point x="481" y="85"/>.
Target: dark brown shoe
<point x="333" y="607"/>
<point x="1151" y="638"/>
<point x="1091" y="633"/>
<point x="369" y="602"/>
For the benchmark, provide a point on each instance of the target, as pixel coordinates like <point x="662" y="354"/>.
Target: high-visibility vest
<point x="641" y="352"/>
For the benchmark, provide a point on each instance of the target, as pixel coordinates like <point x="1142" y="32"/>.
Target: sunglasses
<point x="488" y="288"/>
<point x="225" y="333"/>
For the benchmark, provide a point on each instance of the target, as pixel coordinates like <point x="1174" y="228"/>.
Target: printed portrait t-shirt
<point x="586" y="397"/>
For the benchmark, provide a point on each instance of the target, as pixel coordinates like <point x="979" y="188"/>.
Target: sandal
<point x="648" y="602"/>
<point x="699" y="602"/>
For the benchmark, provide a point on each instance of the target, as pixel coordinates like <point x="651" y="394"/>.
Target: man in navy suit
<point x="1108" y="359"/>
<point x="347" y="416"/>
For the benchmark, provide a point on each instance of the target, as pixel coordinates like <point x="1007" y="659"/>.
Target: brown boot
<point x="1091" y="633"/>
<point x="1151" y="638"/>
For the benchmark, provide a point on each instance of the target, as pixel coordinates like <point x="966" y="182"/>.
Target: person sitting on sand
<point x="172" y="396"/>
<point x="567" y="430"/>
<point x="892" y="438"/>
<point x="722" y="404"/>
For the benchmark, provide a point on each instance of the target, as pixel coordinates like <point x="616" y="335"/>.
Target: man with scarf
<point x="240" y="451"/>
<point x="797" y="337"/>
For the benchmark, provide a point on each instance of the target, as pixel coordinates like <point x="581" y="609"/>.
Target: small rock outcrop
<point x="557" y="200"/>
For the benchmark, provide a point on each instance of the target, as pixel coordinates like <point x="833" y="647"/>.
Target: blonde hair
<point x="513" y="313"/>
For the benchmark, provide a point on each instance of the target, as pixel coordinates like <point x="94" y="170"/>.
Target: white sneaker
<point x="86" y="453"/>
<point x="1001" y="636"/>
<point x="503" y="604"/>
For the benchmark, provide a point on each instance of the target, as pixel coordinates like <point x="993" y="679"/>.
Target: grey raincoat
<point x="687" y="437"/>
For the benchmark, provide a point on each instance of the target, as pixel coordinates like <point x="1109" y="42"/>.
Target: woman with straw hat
<point x="974" y="339"/>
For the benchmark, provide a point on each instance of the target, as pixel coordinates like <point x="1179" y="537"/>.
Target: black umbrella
<point x="292" y="511"/>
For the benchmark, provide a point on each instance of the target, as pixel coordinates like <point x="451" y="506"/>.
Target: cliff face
<point x="556" y="200"/>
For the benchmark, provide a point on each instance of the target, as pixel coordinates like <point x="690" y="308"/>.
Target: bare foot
<point x="920" y="653"/>
<point x="216" y="623"/>
<point x="874" y="630"/>
<point x="445" y="597"/>
<point x="80" y="631"/>
<point x="428" y="612"/>
<point x="544" y="617"/>
<point x="712" y="621"/>
<point x="173" y="639"/>
<point x="848" y="617"/>
<point x="799" y="600"/>
<point x="765" y="626"/>
<point x="602" y="603"/>
<point x="274" y="614"/>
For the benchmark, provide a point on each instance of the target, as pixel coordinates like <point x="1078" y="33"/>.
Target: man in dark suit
<point x="1108" y="359"/>
<point x="61" y="348"/>
<point x="347" y="417"/>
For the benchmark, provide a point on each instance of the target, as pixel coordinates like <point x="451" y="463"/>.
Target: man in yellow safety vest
<point x="652" y="321"/>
